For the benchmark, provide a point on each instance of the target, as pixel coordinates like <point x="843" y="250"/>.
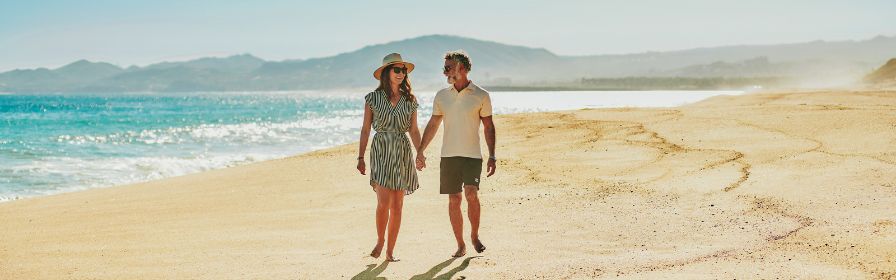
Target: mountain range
<point x="817" y="62"/>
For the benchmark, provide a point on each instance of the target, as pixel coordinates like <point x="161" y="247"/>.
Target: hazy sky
<point x="52" y="33"/>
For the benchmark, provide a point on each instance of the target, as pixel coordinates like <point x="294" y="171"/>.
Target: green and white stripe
<point x="391" y="156"/>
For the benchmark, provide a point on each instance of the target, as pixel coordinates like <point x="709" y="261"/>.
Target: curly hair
<point x="461" y="57"/>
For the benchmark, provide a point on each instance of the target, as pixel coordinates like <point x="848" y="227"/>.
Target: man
<point x="462" y="106"/>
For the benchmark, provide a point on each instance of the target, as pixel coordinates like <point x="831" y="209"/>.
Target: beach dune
<point x="765" y="185"/>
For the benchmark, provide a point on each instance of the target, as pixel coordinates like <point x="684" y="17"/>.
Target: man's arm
<point x="489" y="128"/>
<point x="428" y="133"/>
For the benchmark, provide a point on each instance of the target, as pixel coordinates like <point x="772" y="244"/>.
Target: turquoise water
<point x="51" y="143"/>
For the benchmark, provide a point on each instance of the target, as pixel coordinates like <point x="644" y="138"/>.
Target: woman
<point x="392" y="111"/>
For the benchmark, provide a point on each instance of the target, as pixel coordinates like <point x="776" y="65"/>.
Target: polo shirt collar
<point x="469" y="87"/>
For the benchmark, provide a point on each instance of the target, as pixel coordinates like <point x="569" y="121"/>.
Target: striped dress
<point x="391" y="156"/>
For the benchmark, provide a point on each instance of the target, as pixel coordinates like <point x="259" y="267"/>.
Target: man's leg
<point x="457" y="222"/>
<point x="473" y="212"/>
<point x="470" y="192"/>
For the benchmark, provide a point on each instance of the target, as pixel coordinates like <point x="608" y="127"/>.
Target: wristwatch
<point x="492" y="158"/>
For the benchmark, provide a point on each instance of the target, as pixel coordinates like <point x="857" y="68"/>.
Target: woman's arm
<point x="415" y="131"/>
<point x="365" y="135"/>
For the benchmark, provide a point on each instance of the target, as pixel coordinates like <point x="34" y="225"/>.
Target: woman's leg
<point x="383" y="202"/>
<point x="397" y="199"/>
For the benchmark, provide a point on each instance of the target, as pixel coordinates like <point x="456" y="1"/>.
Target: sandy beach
<point x="766" y="185"/>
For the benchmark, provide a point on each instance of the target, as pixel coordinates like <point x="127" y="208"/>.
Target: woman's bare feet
<point x="377" y="250"/>
<point x="461" y="251"/>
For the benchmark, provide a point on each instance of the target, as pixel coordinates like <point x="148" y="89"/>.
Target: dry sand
<point x="771" y="185"/>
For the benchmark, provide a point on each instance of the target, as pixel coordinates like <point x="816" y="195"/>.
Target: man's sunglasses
<point x="397" y="70"/>
<point x="446" y="69"/>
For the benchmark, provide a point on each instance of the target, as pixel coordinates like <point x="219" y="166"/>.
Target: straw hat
<point x="392" y="58"/>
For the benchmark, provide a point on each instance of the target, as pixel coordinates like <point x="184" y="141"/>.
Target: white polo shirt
<point x="460" y="113"/>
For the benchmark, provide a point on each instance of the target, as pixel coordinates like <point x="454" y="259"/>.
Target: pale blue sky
<point x="52" y="33"/>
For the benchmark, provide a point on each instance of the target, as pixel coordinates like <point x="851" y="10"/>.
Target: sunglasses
<point x="446" y="69"/>
<point x="397" y="70"/>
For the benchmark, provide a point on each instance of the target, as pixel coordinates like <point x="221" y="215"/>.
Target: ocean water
<point x="52" y="143"/>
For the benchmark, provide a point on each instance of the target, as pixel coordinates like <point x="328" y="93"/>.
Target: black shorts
<point x="455" y="172"/>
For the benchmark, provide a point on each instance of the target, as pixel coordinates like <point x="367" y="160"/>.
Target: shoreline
<point x="200" y="165"/>
<point x="757" y="185"/>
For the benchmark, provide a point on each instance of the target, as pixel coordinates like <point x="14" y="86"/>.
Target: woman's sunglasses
<point x="397" y="70"/>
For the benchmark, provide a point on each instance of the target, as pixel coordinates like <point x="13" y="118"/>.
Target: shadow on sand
<point x="431" y="274"/>
<point x="372" y="272"/>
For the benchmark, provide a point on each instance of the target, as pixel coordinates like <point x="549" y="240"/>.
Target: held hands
<point x="421" y="161"/>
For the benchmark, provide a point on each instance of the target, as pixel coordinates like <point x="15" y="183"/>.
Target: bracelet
<point x="492" y="158"/>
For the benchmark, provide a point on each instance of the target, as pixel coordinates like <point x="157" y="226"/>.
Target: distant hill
<point x="73" y="75"/>
<point x="356" y="68"/>
<point x="885" y="75"/>
<point x="204" y="74"/>
<point x="493" y="64"/>
<point x="817" y="62"/>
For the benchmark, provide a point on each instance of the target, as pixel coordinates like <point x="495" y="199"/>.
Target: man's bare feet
<point x="391" y="258"/>
<point x="377" y="250"/>
<point x="477" y="244"/>
<point x="461" y="251"/>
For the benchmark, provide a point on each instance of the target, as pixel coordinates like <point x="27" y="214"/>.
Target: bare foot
<point x="461" y="251"/>
<point x="478" y="246"/>
<point x="391" y="258"/>
<point x="377" y="250"/>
